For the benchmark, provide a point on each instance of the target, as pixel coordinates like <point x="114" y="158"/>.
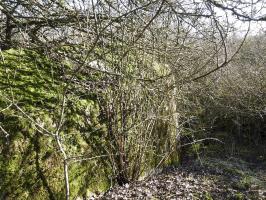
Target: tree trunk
<point x="8" y="34"/>
<point x="66" y="180"/>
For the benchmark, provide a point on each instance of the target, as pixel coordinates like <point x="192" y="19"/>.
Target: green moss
<point x="239" y="196"/>
<point x="208" y="196"/>
<point x="30" y="164"/>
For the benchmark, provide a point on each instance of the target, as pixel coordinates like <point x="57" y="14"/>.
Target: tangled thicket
<point x="99" y="92"/>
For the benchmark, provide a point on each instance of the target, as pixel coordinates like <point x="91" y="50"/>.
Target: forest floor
<point x="206" y="179"/>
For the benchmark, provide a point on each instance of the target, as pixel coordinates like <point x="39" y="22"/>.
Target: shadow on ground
<point x="206" y="179"/>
